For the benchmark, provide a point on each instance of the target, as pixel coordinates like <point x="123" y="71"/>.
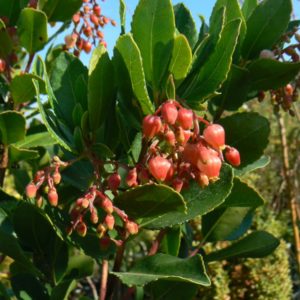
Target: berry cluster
<point x="177" y="153"/>
<point x="44" y="182"/>
<point x="88" y="24"/>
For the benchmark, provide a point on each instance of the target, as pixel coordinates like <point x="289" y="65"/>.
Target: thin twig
<point x="104" y="276"/>
<point x="93" y="287"/>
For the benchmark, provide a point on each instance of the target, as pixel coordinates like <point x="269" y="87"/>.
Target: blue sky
<point x="111" y="9"/>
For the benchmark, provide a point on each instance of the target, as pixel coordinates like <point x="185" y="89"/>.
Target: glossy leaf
<point x="153" y="28"/>
<point x="247" y="132"/>
<point x="185" y="23"/>
<point x="199" y="202"/>
<point x="22" y="88"/>
<point x="59" y="10"/>
<point x="79" y="266"/>
<point x="32" y="29"/>
<point x="170" y="244"/>
<point x="122" y="12"/>
<point x="100" y="87"/>
<point x="162" y="266"/>
<point x="150" y="201"/>
<point x="257" y="244"/>
<point x="41" y="139"/>
<point x="6" y="43"/>
<point x="128" y="51"/>
<point x="271" y="74"/>
<point x="11" y="9"/>
<point x="265" y="26"/>
<point x="12" y="127"/>
<point x="63" y="290"/>
<point x="248" y="8"/>
<point x="258" y="164"/>
<point x="18" y="154"/>
<point x="215" y="70"/>
<point x="181" y="58"/>
<point x="228" y="218"/>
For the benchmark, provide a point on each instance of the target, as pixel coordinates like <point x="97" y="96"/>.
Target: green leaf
<point x="185" y="23"/>
<point x="122" y="12"/>
<point x="248" y="8"/>
<point x="22" y="88"/>
<point x="181" y="58"/>
<point x="153" y="28"/>
<point x="65" y="72"/>
<point x="224" y="221"/>
<point x="12" y="127"/>
<point x="10" y="246"/>
<point x="17" y="154"/>
<point x="127" y="50"/>
<point x="265" y="26"/>
<point x="100" y="87"/>
<point x="26" y="284"/>
<point x="247" y="132"/>
<point x="150" y="201"/>
<point x="79" y="266"/>
<point x="11" y="9"/>
<point x="215" y="70"/>
<point x="6" y="43"/>
<point x="170" y="290"/>
<point x="162" y="266"/>
<point x="271" y="74"/>
<point x="170" y="244"/>
<point x="59" y="10"/>
<point x="258" y="164"/>
<point x="63" y="290"/>
<point x="37" y="232"/>
<point x="235" y="89"/>
<point x="257" y="244"/>
<point x="41" y="139"/>
<point x="199" y="201"/>
<point x="32" y="29"/>
<point x="170" y="88"/>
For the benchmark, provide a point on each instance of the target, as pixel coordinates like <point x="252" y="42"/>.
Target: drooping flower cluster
<point x="177" y="153"/>
<point x="88" y="28"/>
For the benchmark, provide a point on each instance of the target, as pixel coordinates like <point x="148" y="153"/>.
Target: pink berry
<point x="132" y="227"/>
<point x="169" y="112"/>
<point x="131" y="178"/>
<point x="232" y="155"/>
<point x="211" y="168"/>
<point x="114" y="181"/>
<point x="110" y="222"/>
<point x="53" y="197"/>
<point x="185" y="118"/>
<point x="159" y="167"/>
<point x="214" y="135"/>
<point x="107" y="206"/>
<point x="31" y="190"/>
<point x="151" y="126"/>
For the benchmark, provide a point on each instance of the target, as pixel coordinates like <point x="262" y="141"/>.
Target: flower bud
<point x="214" y="135"/>
<point x="2" y="65"/>
<point x="203" y="180"/>
<point x="170" y="138"/>
<point x="131" y="179"/>
<point x="267" y="54"/>
<point x="107" y="206"/>
<point x="56" y="177"/>
<point x="110" y="222"/>
<point x="132" y="227"/>
<point x="211" y="168"/>
<point x="53" y="197"/>
<point x="31" y="190"/>
<point x="289" y="90"/>
<point x="94" y="19"/>
<point x="81" y="229"/>
<point x="159" y="167"/>
<point x="101" y="230"/>
<point x="87" y="47"/>
<point x="232" y="155"/>
<point x="97" y="10"/>
<point x="177" y="184"/>
<point x="185" y="118"/>
<point x="114" y="181"/>
<point x="94" y="217"/>
<point x="151" y="126"/>
<point x="169" y="112"/>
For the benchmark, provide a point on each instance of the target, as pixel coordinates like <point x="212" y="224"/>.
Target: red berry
<point x="81" y="229"/>
<point x="211" y="168"/>
<point x="185" y="118"/>
<point x="56" y="177"/>
<point x="53" y="197"/>
<point x="132" y="227"/>
<point x="2" y="65"/>
<point x="110" y="222"/>
<point x="97" y="10"/>
<point x="151" y="126"/>
<point x="232" y="155"/>
<point x="159" y="167"/>
<point x="31" y="190"/>
<point x="131" y="178"/>
<point x="107" y="206"/>
<point x="114" y="181"/>
<point x="169" y="112"/>
<point x="87" y="47"/>
<point x="214" y="135"/>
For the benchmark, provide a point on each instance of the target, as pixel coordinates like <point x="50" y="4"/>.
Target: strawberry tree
<point x="105" y="167"/>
